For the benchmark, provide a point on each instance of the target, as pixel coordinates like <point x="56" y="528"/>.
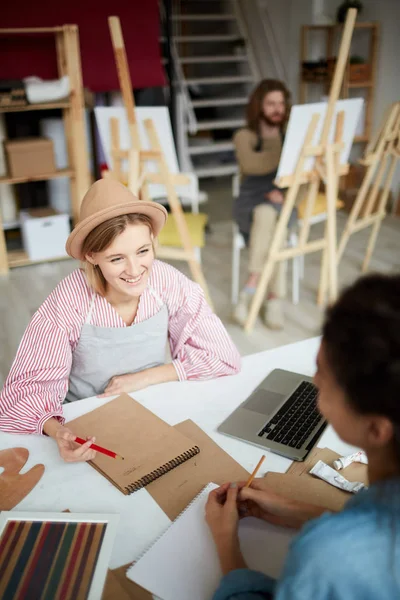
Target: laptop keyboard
<point x="296" y="419"/>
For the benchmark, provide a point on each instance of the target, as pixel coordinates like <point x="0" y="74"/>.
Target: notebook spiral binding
<point x="172" y="464"/>
<point x="206" y="490"/>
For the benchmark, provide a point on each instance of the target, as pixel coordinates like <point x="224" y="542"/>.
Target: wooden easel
<point x="326" y="169"/>
<point x="381" y="159"/>
<point x="138" y="178"/>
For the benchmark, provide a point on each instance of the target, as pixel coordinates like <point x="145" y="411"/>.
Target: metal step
<point x="222" y="58"/>
<point x="238" y="101"/>
<point x="204" y="17"/>
<point x="227" y="37"/>
<point x="220" y="124"/>
<point x="211" y="148"/>
<point x="218" y="80"/>
<point x="216" y="171"/>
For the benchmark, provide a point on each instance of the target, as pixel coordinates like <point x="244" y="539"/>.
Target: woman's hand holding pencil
<point x="68" y="449"/>
<point x="73" y="448"/>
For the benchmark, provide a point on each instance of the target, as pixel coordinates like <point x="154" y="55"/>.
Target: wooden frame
<point x="137" y="156"/>
<point x="369" y="208"/>
<point x="69" y="63"/>
<point x="327" y="170"/>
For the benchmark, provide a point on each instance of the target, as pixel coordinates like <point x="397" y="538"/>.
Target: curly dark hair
<point x="361" y="337"/>
<point x="254" y="106"/>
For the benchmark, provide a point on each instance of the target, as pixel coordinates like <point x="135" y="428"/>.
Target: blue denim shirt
<point x="351" y="555"/>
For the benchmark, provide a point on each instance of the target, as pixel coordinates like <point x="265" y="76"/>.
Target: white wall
<point x="286" y="16"/>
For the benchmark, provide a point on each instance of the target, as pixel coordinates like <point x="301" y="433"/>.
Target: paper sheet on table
<point x="183" y="563"/>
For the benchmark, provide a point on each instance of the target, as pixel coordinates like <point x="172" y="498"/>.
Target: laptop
<point x="280" y="415"/>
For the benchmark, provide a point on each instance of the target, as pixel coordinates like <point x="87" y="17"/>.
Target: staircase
<point x="214" y="72"/>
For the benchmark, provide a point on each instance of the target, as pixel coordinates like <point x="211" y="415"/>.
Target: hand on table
<point x="132" y="382"/>
<point x="69" y="451"/>
<point x="275" y="196"/>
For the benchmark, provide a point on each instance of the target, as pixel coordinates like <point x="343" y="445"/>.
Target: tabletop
<point x="79" y="488"/>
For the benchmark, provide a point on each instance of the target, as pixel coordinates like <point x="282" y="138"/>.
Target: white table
<point x="79" y="488"/>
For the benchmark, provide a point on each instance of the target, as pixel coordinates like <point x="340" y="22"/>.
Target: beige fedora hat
<point x="106" y="199"/>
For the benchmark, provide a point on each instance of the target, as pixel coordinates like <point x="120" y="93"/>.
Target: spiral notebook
<point x="183" y="562"/>
<point x="150" y="447"/>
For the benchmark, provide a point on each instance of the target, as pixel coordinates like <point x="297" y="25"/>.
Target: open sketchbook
<point x="183" y="562"/>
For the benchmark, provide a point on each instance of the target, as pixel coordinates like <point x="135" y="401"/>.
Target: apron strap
<point x="90" y="312"/>
<point x="155" y="296"/>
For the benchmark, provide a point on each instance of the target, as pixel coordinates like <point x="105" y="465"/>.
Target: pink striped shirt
<point x="38" y="380"/>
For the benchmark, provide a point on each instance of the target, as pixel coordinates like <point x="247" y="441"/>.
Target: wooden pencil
<point x="254" y="473"/>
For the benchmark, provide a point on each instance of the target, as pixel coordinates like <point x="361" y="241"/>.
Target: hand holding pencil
<point x="69" y="451"/>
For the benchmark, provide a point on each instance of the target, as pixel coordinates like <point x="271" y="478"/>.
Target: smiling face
<point x="126" y="263"/>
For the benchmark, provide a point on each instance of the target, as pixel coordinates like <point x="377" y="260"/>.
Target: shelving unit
<point x="331" y="33"/>
<point x="69" y="63"/>
<point x="43" y="177"/>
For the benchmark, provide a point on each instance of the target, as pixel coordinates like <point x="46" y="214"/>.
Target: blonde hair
<point x="101" y="237"/>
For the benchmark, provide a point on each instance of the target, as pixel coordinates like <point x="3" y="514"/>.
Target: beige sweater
<point x="256" y="163"/>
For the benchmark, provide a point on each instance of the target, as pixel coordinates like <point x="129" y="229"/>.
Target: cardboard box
<point x="44" y="233"/>
<point x="30" y="157"/>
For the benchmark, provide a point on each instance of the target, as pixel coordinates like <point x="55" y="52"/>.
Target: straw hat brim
<point x="154" y="211"/>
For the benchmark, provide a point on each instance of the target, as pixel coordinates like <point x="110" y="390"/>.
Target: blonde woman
<point x="105" y="328"/>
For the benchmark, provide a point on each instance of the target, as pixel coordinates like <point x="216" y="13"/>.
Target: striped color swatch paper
<point x="49" y="560"/>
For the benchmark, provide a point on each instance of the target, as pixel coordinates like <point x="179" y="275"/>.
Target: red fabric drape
<point x="21" y="56"/>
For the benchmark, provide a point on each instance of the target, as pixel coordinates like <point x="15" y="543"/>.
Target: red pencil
<point x="79" y="440"/>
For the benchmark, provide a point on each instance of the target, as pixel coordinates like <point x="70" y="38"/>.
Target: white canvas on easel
<point x="160" y="117"/>
<point x="299" y="121"/>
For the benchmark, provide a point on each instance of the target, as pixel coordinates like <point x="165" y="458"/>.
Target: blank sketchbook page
<point x="183" y="562"/>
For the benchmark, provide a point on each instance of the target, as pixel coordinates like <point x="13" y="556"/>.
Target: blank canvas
<point x="299" y="121"/>
<point x="160" y="117"/>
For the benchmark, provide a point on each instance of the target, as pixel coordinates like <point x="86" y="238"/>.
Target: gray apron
<point x="104" y="352"/>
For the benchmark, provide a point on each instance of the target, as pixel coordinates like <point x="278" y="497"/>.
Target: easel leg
<point x="133" y="172"/>
<point x="323" y="278"/>
<point x="390" y="125"/>
<point x="328" y="275"/>
<point x="3" y="252"/>
<point x="177" y="211"/>
<point x="371" y="245"/>
<point x="331" y="197"/>
<point x="380" y="215"/>
<point x="372" y="196"/>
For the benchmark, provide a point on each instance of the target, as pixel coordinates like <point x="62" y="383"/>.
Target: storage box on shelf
<point x="44" y="233"/>
<point x="30" y="157"/>
<point x="69" y="64"/>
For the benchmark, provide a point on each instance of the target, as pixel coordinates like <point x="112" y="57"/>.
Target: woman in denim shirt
<point x="354" y="554"/>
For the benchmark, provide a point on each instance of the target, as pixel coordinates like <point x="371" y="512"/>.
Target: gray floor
<point x="24" y="289"/>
